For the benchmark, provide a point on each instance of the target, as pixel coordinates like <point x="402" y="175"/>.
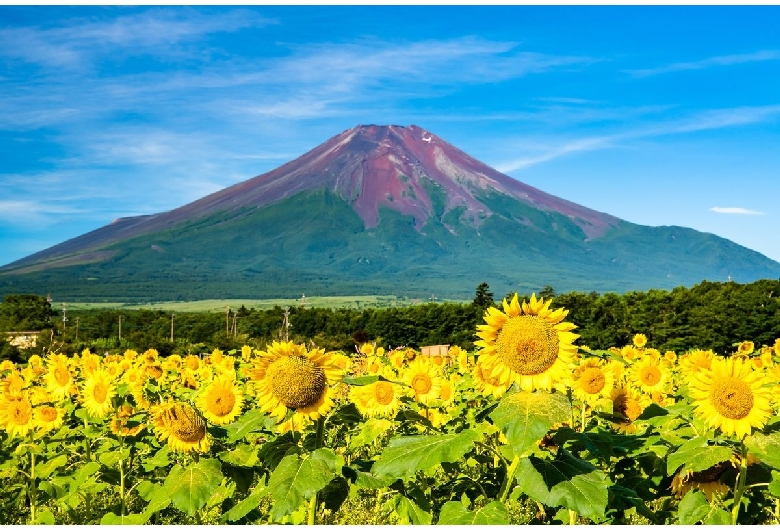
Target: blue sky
<point x="658" y="115"/>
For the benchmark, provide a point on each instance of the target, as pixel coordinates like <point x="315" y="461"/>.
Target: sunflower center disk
<point x="650" y="375"/>
<point x="221" y="401"/>
<point x="49" y="413"/>
<point x="383" y="392"/>
<point x="527" y="344"/>
<point x="296" y="381"/>
<point x="732" y="398"/>
<point x="100" y="392"/>
<point x="422" y="384"/>
<point x="21" y="413"/>
<point x="61" y="375"/>
<point x="592" y="380"/>
<point x="186" y="424"/>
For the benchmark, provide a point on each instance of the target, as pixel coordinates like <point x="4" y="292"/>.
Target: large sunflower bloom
<point x="378" y="399"/>
<point x="181" y="425"/>
<point x="287" y="378"/>
<point x="424" y="379"/>
<point x="593" y="380"/>
<point x="48" y="418"/>
<point x="221" y="401"/>
<point x="96" y="394"/>
<point x="16" y="415"/>
<point x="695" y="361"/>
<point x="528" y="344"/>
<point x="731" y="396"/>
<point x="486" y="384"/>
<point x="648" y="375"/>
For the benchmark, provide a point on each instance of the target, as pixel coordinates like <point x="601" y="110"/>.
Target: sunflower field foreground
<point x="528" y="428"/>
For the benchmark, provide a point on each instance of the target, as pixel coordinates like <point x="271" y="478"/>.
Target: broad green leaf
<point x="565" y="481"/>
<point x="456" y="513"/>
<point x="273" y="451"/>
<point x="189" y="488"/>
<point x="406" y="455"/>
<point x="525" y="417"/>
<point x="408" y="511"/>
<point x="372" y="482"/>
<point x="242" y="509"/>
<point x="160" y="459"/>
<point x="251" y="421"/>
<point x="219" y="495"/>
<point x="298" y="478"/>
<point x="693" y="508"/>
<point x="44" y="469"/>
<point x="774" y="485"/>
<point x="111" y="458"/>
<point x="364" y="380"/>
<point x="697" y="455"/>
<point x="244" y="455"/>
<point x="45" y="517"/>
<point x="766" y="447"/>
<point x="370" y="431"/>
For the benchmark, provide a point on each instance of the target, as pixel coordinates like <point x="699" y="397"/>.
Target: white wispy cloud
<point x="735" y="211"/>
<point x="721" y="60"/>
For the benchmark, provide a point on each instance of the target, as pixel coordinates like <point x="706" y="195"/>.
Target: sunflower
<point x="246" y="353"/>
<point x="181" y="425"/>
<point x="745" y="347"/>
<point x="221" y="401"/>
<point x="48" y="418"/>
<point x="192" y="362"/>
<point x="776" y="347"/>
<point x="707" y="481"/>
<point x="123" y="425"/>
<point x="378" y="399"/>
<point x="625" y="403"/>
<point x="592" y="380"/>
<point x="96" y="394"/>
<point x="16" y="414"/>
<point x="7" y="365"/>
<point x="172" y="363"/>
<point x="287" y="378"/>
<point x="731" y="396"/>
<point x="486" y="384"/>
<point x="648" y="375"/>
<point x="528" y="344"/>
<point x="695" y="361"/>
<point x="88" y="362"/>
<point x="424" y="380"/>
<point x="640" y="340"/>
<point x="14" y="384"/>
<point x="448" y="392"/>
<point x="397" y="359"/>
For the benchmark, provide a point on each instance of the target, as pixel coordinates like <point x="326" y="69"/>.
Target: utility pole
<point x="286" y="323"/>
<point x="120" y="328"/>
<point x="77" y="328"/>
<point x="235" y="316"/>
<point x="64" y="316"/>
<point x="172" y="315"/>
<point x="433" y="298"/>
<point x="227" y="321"/>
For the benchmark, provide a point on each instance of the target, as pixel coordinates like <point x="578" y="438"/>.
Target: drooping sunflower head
<point x="221" y="401"/>
<point x="731" y="396"/>
<point x="287" y="378"/>
<point x="625" y="403"/>
<point x="593" y="380"/>
<point x="180" y="424"/>
<point x="123" y="424"/>
<point x="528" y="344"/>
<point x="706" y="481"/>
<point x="640" y="340"/>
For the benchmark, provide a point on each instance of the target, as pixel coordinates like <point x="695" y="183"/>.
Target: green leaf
<point x="372" y="482"/>
<point x="409" y="512"/>
<point x="693" y="508"/>
<point x="44" y="469"/>
<point x="525" y="417"/>
<point x="456" y="513"/>
<point x="45" y="517"/>
<point x="244" y="455"/>
<point x="406" y="455"/>
<point x="697" y="455"/>
<point x="131" y="518"/>
<point x="298" y="478"/>
<point x="251" y="421"/>
<point x="766" y="447"/>
<point x="369" y="432"/>
<point x="111" y="458"/>
<point x="160" y="459"/>
<point x="243" y="508"/>
<point x="565" y="481"/>
<point x="189" y="488"/>
<point x="364" y="380"/>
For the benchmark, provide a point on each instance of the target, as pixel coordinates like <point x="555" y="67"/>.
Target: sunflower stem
<point x="508" y="479"/>
<point x="740" y="487"/>
<point x="318" y="442"/>
<point x="572" y="517"/>
<point x="122" y="506"/>
<point x="32" y="491"/>
<point x="582" y="423"/>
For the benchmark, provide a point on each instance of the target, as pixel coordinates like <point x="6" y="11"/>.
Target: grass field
<point x="354" y="302"/>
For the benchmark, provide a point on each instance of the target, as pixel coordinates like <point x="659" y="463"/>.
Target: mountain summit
<point x="378" y="209"/>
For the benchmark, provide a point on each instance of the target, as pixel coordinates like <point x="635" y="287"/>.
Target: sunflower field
<point x="530" y="427"/>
